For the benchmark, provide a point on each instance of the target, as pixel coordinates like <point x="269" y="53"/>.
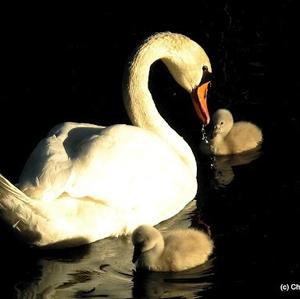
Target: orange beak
<point x="199" y="97"/>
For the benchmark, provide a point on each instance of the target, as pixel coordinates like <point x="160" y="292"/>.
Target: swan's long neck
<point x="139" y="102"/>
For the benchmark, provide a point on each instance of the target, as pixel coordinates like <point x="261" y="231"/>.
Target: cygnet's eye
<point x="221" y="123"/>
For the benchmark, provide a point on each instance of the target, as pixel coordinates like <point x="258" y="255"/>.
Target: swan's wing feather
<point x="49" y="167"/>
<point x="63" y="129"/>
<point x="47" y="170"/>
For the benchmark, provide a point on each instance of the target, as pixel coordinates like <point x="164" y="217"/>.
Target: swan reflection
<point x="104" y="269"/>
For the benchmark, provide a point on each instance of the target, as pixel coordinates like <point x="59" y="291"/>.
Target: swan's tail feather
<point x="6" y="187"/>
<point x="15" y="206"/>
<point x="23" y="214"/>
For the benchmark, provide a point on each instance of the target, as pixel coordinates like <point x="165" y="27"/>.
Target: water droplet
<point x="204" y="135"/>
<point x="212" y="162"/>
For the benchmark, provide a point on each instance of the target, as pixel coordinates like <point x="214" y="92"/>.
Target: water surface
<point x="73" y="72"/>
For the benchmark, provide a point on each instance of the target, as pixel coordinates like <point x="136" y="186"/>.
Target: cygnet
<point x="176" y="250"/>
<point x="229" y="137"/>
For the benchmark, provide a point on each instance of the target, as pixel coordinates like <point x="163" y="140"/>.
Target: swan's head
<point x="144" y="239"/>
<point x="190" y="67"/>
<point x="187" y="62"/>
<point x="222" y="122"/>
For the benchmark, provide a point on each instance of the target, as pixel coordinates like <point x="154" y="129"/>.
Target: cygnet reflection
<point x="223" y="166"/>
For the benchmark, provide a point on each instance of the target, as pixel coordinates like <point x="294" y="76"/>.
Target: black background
<point x="66" y="64"/>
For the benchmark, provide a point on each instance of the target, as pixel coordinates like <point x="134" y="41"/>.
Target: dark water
<point x="68" y="66"/>
<point x="102" y="269"/>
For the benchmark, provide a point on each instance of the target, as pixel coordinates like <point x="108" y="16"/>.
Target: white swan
<point x="85" y="182"/>
<point x="176" y="250"/>
<point x="229" y="137"/>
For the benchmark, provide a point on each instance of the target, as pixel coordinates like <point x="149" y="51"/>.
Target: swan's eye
<point x="206" y="76"/>
<point x="221" y="123"/>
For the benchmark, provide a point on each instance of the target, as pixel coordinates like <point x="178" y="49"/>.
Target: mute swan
<point x="85" y="182"/>
<point x="232" y="138"/>
<point x="177" y="250"/>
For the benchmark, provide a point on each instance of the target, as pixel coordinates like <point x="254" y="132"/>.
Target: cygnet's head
<point x="222" y="122"/>
<point x="145" y="238"/>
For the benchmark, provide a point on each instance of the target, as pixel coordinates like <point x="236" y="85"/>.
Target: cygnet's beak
<point x="216" y="131"/>
<point x="136" y="253"/>
<point x="199" y="97"/>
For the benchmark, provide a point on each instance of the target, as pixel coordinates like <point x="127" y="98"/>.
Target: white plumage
<point x="85" y="182"/>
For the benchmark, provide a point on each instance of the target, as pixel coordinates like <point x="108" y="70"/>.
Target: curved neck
<point x="139" y="102"/>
